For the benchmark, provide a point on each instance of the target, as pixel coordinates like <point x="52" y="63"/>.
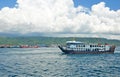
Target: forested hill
<point x="53" y="40"/>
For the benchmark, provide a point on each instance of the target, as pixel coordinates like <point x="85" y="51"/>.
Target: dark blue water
<point x="51" y="62"/>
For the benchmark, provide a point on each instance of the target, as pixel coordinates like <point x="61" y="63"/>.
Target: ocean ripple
<point x="51" y="62"/>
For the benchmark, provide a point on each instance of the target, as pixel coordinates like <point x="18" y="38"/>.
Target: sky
<point x="68" y="18"/>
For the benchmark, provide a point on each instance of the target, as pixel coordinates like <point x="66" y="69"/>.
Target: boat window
<point x="83" y="45"/>
<point x="90" y="45"/>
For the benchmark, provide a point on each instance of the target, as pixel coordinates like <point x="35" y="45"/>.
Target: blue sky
<point x="7" y="3"/>
<point x="113" y="4"/>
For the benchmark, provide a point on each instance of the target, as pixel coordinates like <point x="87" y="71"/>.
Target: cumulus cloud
<point x="59" y="16"/>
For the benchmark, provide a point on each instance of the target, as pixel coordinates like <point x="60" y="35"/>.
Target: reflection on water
<point x="51" y="62"/>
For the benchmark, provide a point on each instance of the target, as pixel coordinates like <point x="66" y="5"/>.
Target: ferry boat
<point x="77" y="47"/>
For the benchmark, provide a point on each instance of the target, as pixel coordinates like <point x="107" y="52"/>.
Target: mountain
<point x="18" y="40"/>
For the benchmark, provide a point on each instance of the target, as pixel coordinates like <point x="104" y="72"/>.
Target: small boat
<point x="77" y="47"/>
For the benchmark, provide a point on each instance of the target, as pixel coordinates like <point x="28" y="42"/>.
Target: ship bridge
<point x="74" y="44"/>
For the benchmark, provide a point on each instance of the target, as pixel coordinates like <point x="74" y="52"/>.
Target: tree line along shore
<point x="35" y="42"/>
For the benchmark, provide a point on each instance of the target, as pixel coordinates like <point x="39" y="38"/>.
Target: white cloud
<point x="59" y="16"/>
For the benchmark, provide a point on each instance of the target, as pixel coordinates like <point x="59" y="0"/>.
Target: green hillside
<point x="53" y="40"/>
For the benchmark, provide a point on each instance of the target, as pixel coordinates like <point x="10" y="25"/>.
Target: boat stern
<point x="112" y="48"/>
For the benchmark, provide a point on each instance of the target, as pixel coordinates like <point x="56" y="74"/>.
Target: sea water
<point x="51" y="62"/>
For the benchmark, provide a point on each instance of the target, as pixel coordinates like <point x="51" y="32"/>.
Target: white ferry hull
<point x="111" y="50"/>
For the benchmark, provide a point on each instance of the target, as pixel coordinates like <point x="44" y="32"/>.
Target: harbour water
<point x="51" y="62"/>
